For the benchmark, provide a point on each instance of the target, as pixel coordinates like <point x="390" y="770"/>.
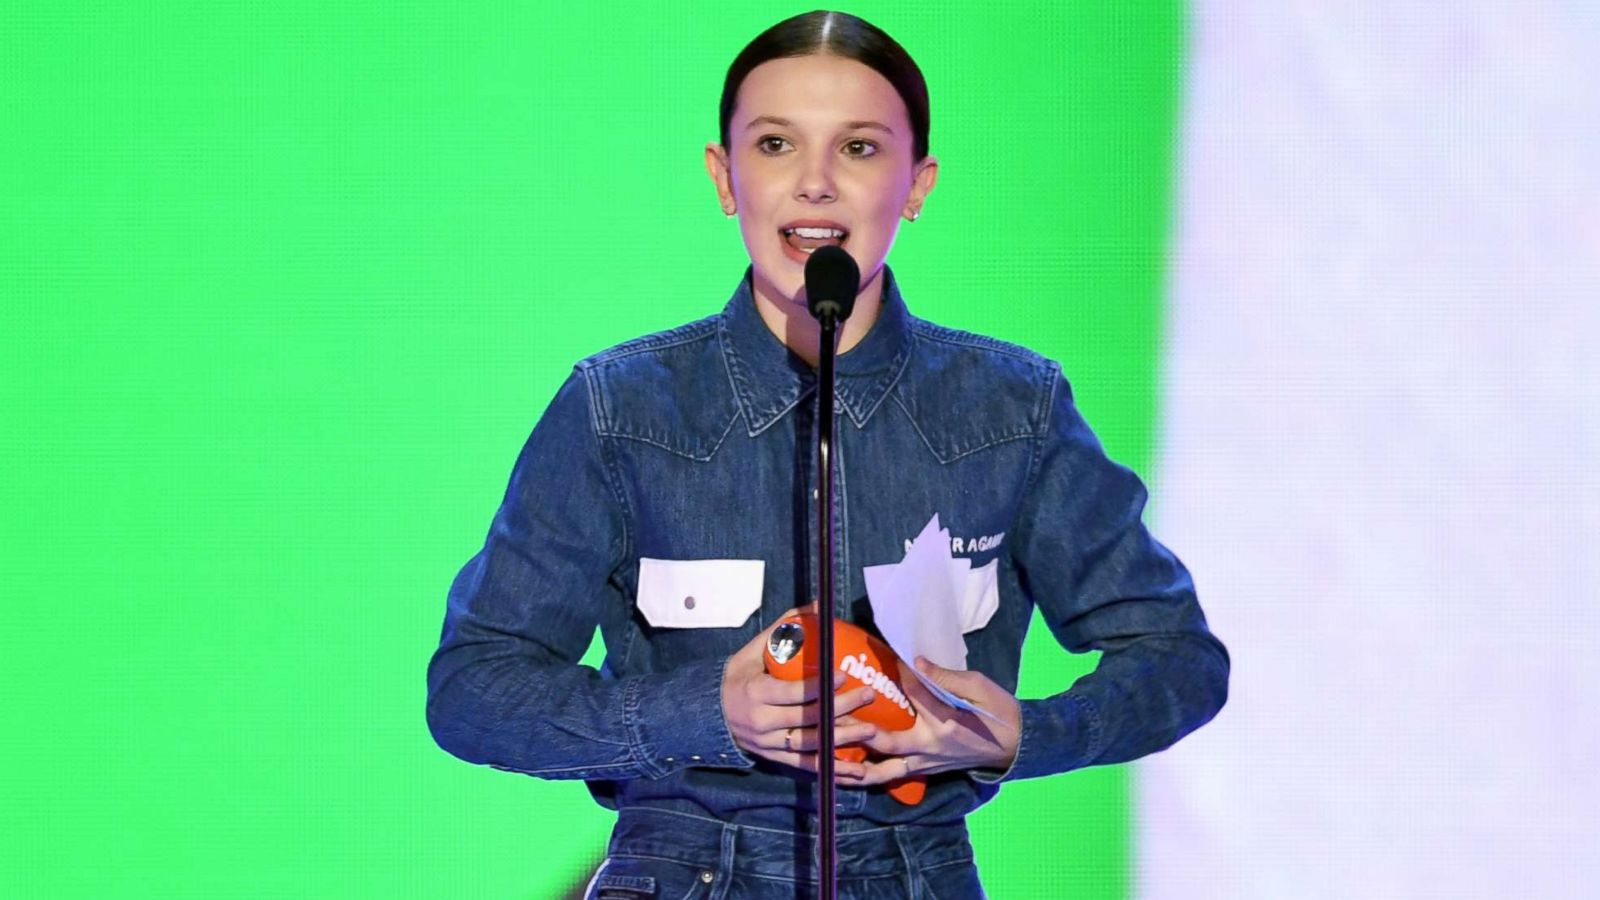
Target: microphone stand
<point x="826" y="793"/>
<point x="832" y="282"/>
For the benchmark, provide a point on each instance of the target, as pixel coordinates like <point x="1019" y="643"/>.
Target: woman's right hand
<point x="777" y="719"/>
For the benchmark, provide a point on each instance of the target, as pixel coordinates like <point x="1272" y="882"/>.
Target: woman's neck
<point x="793" y="324"/>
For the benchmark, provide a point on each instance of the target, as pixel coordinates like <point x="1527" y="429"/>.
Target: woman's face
<point x="819" y="152"/>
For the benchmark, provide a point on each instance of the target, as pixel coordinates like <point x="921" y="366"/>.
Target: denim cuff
<point x="1059" y="734"/>
<point x="675" y="720"/>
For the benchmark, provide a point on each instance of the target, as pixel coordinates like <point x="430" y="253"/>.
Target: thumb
<point x="750" y="655"/>
<point x="956" y="681"/>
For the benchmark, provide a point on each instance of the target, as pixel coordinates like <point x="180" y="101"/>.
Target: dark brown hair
<point x="838" y="34"/>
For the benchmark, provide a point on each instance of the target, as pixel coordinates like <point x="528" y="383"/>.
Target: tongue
<point x="808" y="244"/>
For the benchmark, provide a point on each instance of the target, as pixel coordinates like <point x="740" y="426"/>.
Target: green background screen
<point x="283" y="288"/>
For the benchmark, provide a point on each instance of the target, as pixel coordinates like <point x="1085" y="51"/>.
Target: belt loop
<point x="913" y="883"/>
<point x="730" y="839"/>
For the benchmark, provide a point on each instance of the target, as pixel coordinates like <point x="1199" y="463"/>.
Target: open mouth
<point x="806" y="238"/>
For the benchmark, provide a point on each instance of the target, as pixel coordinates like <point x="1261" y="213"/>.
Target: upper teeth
<point x="806" y="232"/>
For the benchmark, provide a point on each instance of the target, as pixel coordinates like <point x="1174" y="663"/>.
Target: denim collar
<point x="769" y="380"/>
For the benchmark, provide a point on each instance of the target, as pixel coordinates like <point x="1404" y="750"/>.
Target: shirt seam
<point x="1044" y="416"/>
<point x="608" y="459"/>
<point x="689" y="333"/>
<point x="963" y="453"/>
<point x="678" y="451"/>
<point x="1091" y="712"/>
<point x="930" y="331"/>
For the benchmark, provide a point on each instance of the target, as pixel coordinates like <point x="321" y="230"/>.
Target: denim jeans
<point x="667" y="855"/>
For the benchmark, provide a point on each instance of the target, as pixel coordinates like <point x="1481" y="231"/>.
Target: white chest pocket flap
<point x="699" y="593"/>
<point x="981" y="596"/>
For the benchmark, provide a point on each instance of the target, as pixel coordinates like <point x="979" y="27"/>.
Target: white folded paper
<point x="917" y="606"/>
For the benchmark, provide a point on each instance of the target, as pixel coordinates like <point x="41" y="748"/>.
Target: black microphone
<point x="832" y="282"/>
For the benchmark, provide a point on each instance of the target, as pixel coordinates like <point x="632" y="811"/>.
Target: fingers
<point x="813" y="687"/>
<point x="968" y="684"/>
<point x="783" y="718"/>
<point x="807" y="740"/>
<point x="843" y="770"/>
<point x="852" y="731"/>
<point x="774" y="717"/>
<point x="893" y="768"/>
<point x="778" y="718"/>
<point x="797" y="747"/>
<point x="850" y="701"/>
<point x="894" y="743"/>
<point x="764" y="688"/>
<point x="924" y="699"/>
<point x="777" y="692"/>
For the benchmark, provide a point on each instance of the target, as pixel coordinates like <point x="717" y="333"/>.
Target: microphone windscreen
<point x="832" y="281"/>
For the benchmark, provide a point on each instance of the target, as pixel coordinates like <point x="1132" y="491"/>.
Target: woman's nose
<point x="816" y="182"/>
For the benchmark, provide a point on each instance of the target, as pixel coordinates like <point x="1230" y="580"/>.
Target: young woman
<point x="666" y="497"/>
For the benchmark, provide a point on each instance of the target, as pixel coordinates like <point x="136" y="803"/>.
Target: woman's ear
<point x="923" y="177"/>
<point x="722" y="176"/>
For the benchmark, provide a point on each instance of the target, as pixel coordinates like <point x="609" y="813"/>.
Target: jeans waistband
<point x="861" y="852"/>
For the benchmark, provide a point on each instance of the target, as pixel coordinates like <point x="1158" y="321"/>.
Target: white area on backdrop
<point x="1381" y="452"/>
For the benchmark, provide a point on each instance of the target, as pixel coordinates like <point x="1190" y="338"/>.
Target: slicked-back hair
<point x="836" y="34"/>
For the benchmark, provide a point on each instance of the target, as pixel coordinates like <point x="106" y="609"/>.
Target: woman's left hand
<point x="945" y="738"/>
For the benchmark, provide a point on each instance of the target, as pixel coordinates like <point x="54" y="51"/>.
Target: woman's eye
<point x="771" y="144"/>
<point x="860" y="148"/>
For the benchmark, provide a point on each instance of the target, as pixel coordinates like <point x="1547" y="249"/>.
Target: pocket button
<point x="688" y="603"/>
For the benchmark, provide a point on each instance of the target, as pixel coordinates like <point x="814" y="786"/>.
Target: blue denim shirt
<point x="665" y="496"/>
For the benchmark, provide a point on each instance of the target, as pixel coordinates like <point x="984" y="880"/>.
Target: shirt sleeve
<point x="1102" y="582"/>
<point x="504" y="686"/>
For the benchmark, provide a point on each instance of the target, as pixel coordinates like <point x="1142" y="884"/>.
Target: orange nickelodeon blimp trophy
<point x="791" y="655"/>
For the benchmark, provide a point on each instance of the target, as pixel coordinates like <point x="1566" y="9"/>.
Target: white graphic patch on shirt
<point x="970" y="545"/>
